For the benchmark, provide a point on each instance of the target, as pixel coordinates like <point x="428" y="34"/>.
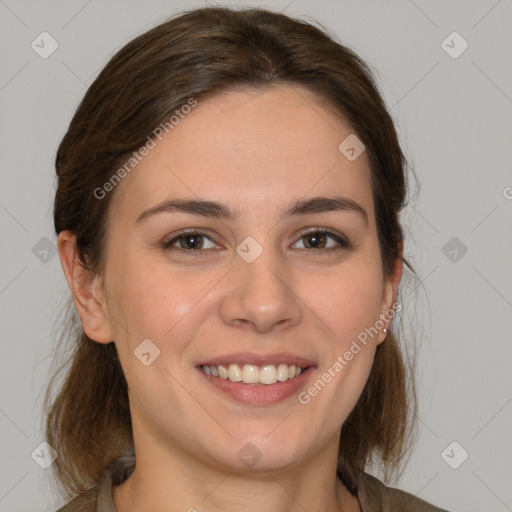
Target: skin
<point x="256" y="152"/>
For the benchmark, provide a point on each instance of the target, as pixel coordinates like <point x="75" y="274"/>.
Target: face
<point x="258" y="284"/>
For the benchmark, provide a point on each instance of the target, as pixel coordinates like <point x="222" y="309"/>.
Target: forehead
<point x="250" y="149"/>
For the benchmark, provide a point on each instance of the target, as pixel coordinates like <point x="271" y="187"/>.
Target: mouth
<point x="257" y="379"/>
<point x="267" y="374"/>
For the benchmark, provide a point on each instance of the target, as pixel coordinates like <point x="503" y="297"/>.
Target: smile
<point x="252" y="374"/>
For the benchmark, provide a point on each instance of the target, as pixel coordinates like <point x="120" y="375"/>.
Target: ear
<point x="86" y="290"/>
<point x="390" y="294"/>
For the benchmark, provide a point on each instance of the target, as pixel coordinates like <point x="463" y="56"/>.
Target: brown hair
<point x="197" y="54"/>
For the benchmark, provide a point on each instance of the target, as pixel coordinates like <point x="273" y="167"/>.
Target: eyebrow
<point x="221" y="211"/>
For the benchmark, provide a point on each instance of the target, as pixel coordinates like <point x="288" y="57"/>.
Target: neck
<point x="171" y="477"/>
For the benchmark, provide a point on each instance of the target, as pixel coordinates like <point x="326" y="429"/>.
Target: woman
<point x="227" y="213"/>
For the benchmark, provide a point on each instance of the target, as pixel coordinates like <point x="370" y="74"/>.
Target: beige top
<point x="373" y="495"/>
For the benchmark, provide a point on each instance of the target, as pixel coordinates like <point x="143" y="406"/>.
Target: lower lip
<point x="259" y="394"/>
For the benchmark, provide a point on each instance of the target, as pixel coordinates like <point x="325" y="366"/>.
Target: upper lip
<point x="258" y="359"/>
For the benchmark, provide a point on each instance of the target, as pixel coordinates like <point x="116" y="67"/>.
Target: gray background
<point x="454" y="118"/>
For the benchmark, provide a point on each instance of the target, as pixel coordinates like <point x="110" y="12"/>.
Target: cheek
<point x="349" y="306"/>
<point x="348" y="300"/>
<point x="151" y="301"/>
<point x="148" y="302"/>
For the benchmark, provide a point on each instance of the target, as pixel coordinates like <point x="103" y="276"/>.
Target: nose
<point x="260" y="295"/>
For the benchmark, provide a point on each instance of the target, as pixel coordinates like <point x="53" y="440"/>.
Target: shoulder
<point x="85" y="502"/>
<point x="100" y="498"/>
<point x="375" y="496"/>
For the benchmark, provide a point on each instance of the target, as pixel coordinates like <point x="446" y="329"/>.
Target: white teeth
<point x="223" y="372"/>
<point x="282" y="372"/>
<point x="234" y="373"/>
<point x="268" y="374"/>
<point x="251" y="374"/>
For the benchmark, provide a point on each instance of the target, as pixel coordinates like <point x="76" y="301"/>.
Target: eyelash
<point x="342" y="242"/>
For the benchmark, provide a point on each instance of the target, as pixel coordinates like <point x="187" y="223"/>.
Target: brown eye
<point x="189" y="242"/>
<point x="318" y="240"/>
